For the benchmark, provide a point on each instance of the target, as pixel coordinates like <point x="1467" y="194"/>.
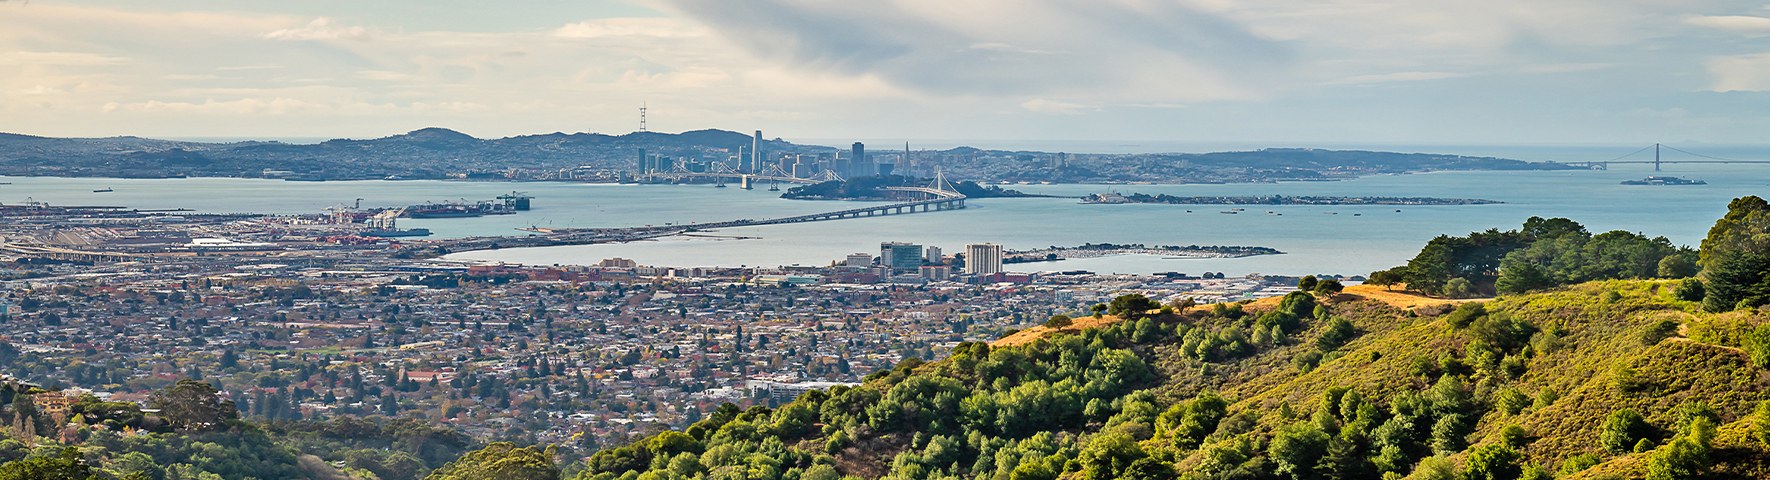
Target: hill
<point x="1357" y="388"/>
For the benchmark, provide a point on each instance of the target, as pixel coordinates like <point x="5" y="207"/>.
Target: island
<point x="873" y="188"/>
<point x="1657" y="180"/>
<point x="1094" y="250"/>
<point x="1115" y="198"/>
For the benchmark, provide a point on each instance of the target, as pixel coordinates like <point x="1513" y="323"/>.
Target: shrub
<point x="1511" y="401"/>
<point x="1658" y="332"/>
<point x="1689" y="290"/>
<point x="1577" y="463"/>
<point x="1339" y="331"/>
<point x="1514" y="436"/>
<point x="1459" y="288"/>
<point x="1761" y="423"/>
<point x="1465" y="314"/>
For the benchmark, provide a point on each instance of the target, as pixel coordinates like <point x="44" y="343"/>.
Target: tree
<point x="1622" y="430"/>
<point x="65" y="465"/>
<point x="1493" y="461"/>
<point x="193" y="406"/>
<point x="1131" y="306"/>
<point x="1058" y="321"/>
<point x="1681" y="265"/>
<point x="1687" y="456"/>
<point x="1109" y="456"/>
<point x="1387" y="278"/>
<point x="1307" y="283"/>
<point x="1328" y="288"/>
<point x="500" y="460"/>
<point x="1735" y="257"/>
<point x="1297" y="448"/>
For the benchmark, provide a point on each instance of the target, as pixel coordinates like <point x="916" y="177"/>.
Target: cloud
<point x="251" y="106"/>
<point x="320" y="29"/>
<point x="1740" y="73"/>
<point x="69" y="59"/>
<point x="1105" y="50"/>
<point x="1042" y="105"/>
<point x="1398" y="77"/>
<point x="629" y="27"/>
<point x="1745" y="24"/>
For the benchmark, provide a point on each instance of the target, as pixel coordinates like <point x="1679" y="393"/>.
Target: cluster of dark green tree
<point x="192" y="433"/>
<point x="981" y="412"/>
<point x="1735" y="257"/>
<point x="1545" y="253"/>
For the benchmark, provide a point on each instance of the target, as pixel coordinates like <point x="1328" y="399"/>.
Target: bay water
<point x="1347" y="240"/>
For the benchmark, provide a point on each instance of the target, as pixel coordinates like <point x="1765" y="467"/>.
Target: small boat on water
<point x="103" y="190"/>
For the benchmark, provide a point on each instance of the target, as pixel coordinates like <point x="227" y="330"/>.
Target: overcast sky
<point x="1282" y="71"/>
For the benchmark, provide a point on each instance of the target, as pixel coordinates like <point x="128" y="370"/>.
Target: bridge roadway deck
<point x="943" y="200"/>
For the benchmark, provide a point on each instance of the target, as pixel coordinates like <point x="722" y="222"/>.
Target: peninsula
<point x="1095" y="250"/>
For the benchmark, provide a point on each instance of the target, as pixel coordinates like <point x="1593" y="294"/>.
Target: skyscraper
<point x="756" y="153"/>
<point x="858" y="165"/>
<point x="983" y="259"/>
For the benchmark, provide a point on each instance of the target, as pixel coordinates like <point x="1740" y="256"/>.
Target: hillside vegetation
<point x="1521" y="387"/>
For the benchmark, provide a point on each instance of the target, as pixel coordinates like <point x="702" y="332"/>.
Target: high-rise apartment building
<point x="983" y="259"/>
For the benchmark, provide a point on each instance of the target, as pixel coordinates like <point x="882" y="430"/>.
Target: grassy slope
<point x="1596" y="337"/>
<point x="1598" y="333"/>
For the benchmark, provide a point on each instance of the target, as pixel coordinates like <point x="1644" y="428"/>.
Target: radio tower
<point x="642" y="117"/>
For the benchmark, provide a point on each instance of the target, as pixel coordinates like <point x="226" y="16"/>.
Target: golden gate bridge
<point x="1659" y="159"/>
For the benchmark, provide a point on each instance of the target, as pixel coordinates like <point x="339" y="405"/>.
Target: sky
<point x="1496" y="72"/>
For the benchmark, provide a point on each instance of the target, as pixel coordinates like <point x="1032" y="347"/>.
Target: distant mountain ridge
<point x="424" y="153"/>
<point x="436" y="152"/>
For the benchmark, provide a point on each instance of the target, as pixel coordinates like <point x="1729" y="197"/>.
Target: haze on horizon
<point x="1502" y="72"/>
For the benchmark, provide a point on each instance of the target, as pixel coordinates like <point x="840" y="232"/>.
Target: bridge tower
<point x="1655" y="157"/>
<point x="940" y="182"/>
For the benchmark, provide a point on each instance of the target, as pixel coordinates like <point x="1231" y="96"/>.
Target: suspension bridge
<point x="1637" y="158"/>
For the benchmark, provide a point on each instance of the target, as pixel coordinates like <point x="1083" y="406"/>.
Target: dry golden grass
<point x="1402" y="300"/>
<point x="1033" y="334"/>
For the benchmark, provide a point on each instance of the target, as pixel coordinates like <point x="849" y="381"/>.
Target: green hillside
<point x="1521" y="385"/>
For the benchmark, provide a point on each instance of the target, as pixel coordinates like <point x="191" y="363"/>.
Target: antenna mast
<point x="642" y="117"/>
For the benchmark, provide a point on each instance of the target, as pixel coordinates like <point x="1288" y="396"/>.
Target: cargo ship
<point x="394" y="232"/>
<point x="457" y="210"/>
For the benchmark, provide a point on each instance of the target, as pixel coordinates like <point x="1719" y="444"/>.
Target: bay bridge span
<point x="939" y="195"/>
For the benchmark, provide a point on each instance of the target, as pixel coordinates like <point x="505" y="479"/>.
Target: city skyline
<point x="1351" y="71"/>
